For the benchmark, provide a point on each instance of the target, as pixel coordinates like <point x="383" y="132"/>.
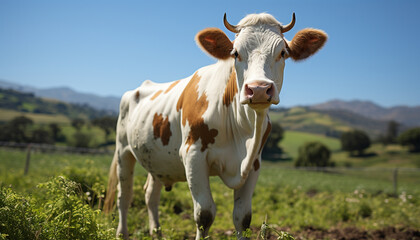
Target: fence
<point x="375" y="179"/>
<point x="387" y="179"/>
<point x="54" y="148"/>
<point x="45" y="148"/>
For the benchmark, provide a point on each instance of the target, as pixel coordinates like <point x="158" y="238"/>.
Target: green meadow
<point x="289" y="198"/>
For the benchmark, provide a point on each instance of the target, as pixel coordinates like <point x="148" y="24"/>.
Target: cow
<point x="212" y="123"/>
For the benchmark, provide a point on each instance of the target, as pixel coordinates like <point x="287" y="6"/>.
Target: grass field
<point x="379" y="156"/>
<point x="292" y="199"/>
<point x="7" y="115"/>
<point x="293" y="140"/>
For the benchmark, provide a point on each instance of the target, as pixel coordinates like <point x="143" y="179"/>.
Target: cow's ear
<point x="215" y="42"/>
<point x="306" y="42"/>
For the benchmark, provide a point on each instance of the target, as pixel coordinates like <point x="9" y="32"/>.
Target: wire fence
<point x="48" y="148"/>
<point x="375" y="179"/>
<point x="387" y="178"/>
<point x="54" y="148"/>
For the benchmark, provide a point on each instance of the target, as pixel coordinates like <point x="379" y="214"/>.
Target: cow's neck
<point x="248" y="123"/>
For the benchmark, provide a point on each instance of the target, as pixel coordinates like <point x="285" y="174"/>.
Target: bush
<point x="365" y="210"/>
<point x="355" y="140"/>
<point x="313" y="154"/>
<point x="59" y="213"/>
<point x="81" y="140"/>
<point x="91" y="181"/>
<point x="411" y="138"/>
<point x="66" y="215"/>
<point x="17" y="219"/>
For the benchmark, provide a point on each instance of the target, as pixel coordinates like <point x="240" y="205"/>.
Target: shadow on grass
<point x="365" y="155"/>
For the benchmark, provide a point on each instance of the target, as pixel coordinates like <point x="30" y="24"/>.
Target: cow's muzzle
<point x="259" y="93"/>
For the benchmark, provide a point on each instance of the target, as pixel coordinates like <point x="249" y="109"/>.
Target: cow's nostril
<point x="270" y="91"/>
<point x="248" y="91"/>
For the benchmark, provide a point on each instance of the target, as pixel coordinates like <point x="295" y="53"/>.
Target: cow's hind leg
<point x="152" y="197"/>
<point x="197" y="174"/>
<point x="242" y="210"/>
<point x="125" y="171"/>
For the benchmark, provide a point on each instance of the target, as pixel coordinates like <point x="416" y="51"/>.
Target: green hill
<point x="378" y="155"/>
<point x="325" y="122"/>
<point x="293" y="140"/>
<point x="14" y="103"/>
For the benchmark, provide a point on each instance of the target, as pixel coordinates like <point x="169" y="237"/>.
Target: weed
<point x="282" y="235"/>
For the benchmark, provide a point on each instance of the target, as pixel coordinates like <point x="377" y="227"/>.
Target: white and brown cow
<point x="213" y="123"/>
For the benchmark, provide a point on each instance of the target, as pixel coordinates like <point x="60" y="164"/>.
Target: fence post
<point x="28" y="159"/>
<point x="395" y="178"/>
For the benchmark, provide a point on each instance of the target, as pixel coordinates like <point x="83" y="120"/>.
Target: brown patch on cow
<point x="156" y="95"/>
<point x="162" y="128"/>
<point x="265" y="136"/>
<point x="215" y="42"/>
<point x="172" y="86"/>
<point x="231" y="89"/>
<point x="256" y="164"/>
<point x="193" y="107"/>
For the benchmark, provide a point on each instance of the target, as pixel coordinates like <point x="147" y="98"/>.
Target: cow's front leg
<point x="242" y="210"/>
<point x="197" y="173"/>
<point x="152" y="197"/>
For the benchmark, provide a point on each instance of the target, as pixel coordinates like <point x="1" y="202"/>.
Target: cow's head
<point x="259" y="51"/>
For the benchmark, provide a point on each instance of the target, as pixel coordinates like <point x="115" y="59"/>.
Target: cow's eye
<point x="235" y="53"/>
<point x="282" y="53"/>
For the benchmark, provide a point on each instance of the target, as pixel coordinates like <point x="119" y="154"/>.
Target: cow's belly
<point x="155" y="138"/>
<point x="162" y="162"/>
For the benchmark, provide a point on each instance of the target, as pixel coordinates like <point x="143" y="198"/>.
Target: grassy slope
<point x="329" y="123"/>
<point x="377" y="155"/>
<point x="293" y="140"/>
<point x="7" y="115"/>
<point x="302" y="119"/>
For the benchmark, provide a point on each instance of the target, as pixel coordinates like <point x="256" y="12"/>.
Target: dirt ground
<point x="351" y="233"/>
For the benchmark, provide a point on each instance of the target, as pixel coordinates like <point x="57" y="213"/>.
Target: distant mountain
<point x="409" y="116"/>
<point x="27" y="103"/>
<point x="68" y="95"/>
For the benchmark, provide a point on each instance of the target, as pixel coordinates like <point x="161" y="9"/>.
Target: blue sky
<point x="109" y="47"/>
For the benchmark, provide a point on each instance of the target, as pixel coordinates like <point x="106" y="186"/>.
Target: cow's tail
<point x="112" y="185"/>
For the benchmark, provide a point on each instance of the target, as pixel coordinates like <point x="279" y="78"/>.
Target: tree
<point x="17" y="129"/>
<point x="106" y="123"/>
<point x="313" y="154"/>
<point x="275" y="136"/>
<point x="391" y="133"/>
<point x="81" y="140"/>
<point x="56" y="134"/>
<point x="355" y="140"/>
<point x="411" y="138"/>
<point x="78" y="123"/>
<point x="41" y="135"/>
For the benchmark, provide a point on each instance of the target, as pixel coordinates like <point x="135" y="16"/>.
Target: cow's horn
<point x="289" y="26"/>
<point x="230" y="27"/>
